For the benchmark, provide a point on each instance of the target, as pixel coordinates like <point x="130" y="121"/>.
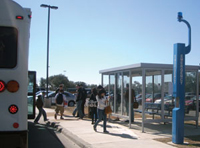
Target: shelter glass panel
<point x="190" y="94"/>
<point x="126" y="81"/>
<point x="118" y="93"/>
<point x="112" y="88"/>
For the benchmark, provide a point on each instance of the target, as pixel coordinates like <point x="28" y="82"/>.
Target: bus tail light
<point x="12" y="86"/>
<point x="13" y="109"/>
<point x="2" y="86"/>
<point x="15" y="125"/>
<point x="19" y="17"/>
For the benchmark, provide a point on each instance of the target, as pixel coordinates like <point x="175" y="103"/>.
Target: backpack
<point x="59" y="99"/>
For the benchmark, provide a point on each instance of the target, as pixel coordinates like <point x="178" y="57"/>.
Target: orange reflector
<point x="13" y="109"/>
<point x="2" y="86"/>
<point x="12" y="86"/>
<point x="15" y="125"/>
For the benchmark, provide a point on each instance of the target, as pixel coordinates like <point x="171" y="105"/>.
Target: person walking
<point x="93" y="105"/>
<point x="102" y="100"/>
<point x="60" y="98"/>
<point x="84" y="97"/>
<point x="39" y="103"/>
<point x="78" y="102"/>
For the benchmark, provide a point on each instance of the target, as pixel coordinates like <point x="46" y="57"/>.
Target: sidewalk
<point x="119" y="136"/>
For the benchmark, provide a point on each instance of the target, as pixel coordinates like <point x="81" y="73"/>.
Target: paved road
<point x="46" y="136"/>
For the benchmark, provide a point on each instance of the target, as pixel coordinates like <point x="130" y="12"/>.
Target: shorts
<point x="59" y="108"/>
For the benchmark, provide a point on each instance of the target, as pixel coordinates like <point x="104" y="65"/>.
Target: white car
<point x="71" y="99"/>
<point x="166" y="99"/>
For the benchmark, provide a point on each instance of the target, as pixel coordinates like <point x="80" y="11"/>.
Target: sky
<point x="87" y="36"/>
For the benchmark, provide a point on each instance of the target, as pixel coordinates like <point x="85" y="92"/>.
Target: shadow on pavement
<point x="43" y="136"/>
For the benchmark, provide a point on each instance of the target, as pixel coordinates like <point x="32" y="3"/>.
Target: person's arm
<point x="64" y="99"/>
<point x="56" y="97"/>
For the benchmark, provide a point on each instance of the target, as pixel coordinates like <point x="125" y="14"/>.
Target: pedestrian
<point x="78" y="102"/>
<point x="39" y="103"/>
<point x="102" y="100"/>
<point x="127" y="101"/>
<point x="84" y="97"/>
<point x="60" y="98"/>
<point x="93" y="105"/>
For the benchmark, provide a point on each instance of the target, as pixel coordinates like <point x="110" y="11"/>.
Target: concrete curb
<point x="70" y="135"/>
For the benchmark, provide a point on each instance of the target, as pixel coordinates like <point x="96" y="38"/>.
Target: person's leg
<point x="92" y="114"/>
<point x="99" y="119"/>
<point x="61" y="112"/>
<point x="44" y="114"/>
<point x="132" y="113"/>
<point x="127" y="108"/>
<point x="82" y="107"/>
<point x="104" y="121"/>
<point x="56" y="112"/>
<point x="95" y="113"/>
<point x="39" y="115"/>
<point x="79" y="109"/>
<point x="75" y="110"/>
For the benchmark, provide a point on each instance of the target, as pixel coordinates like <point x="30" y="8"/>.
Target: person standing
<point x="78" y="102"/>
<point x="93" y="105"/>
<point x="39" y="104"/>
<point x="127" y="101"/>
<point x="60" y="98"/>
<point x="102" y="100"/>
<point x="84" y="96"/>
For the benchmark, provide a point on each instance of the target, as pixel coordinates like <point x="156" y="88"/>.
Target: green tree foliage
<point x="42" y="82"/>
<point x="56" y="80"/>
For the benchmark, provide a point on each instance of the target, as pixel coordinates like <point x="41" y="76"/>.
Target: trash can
<point x="47" y="102"/>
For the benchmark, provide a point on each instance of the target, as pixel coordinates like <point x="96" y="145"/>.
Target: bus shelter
<point x="153" y="86"/>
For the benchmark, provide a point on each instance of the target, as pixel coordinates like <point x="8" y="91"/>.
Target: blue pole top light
<point x="180" y="16"/>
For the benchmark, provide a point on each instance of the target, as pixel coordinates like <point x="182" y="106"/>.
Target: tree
<point x="42" y="82"/>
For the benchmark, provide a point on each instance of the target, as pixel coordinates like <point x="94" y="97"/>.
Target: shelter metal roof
<point x="146" y="66"/>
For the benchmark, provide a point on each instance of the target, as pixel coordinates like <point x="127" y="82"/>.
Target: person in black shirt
<point x="78" y="102"/>
<point x="93" y="105"/>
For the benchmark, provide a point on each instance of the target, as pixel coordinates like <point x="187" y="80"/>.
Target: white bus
<point x="14" y="43"/>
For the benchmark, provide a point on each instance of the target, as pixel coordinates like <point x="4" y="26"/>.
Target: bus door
<point x="31" y="94"/>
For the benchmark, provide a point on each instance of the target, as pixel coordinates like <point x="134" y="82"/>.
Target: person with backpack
<point x="93" y="105"/>
<point x="60" y="98"/>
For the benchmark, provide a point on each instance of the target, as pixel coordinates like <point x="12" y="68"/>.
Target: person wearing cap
<point x="78" y="102"/>
<point x="102" y="100"/>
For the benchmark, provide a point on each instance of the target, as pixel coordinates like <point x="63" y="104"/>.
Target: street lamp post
<point x="49" y="7"/>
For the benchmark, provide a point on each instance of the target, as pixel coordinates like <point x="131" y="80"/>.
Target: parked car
<point x="70" y="98"/>
<point x="191" y="104"/>
<point x="153" y="99"/>
<point x="166" y="99"/>
<point x="139" y="98"/>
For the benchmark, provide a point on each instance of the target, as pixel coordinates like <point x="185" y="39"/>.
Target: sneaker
<point x="106" y="131"/>
<point x="46" y="120"/>
<point x="61" y="118"/>
<point x="94" y="129"/>
<point x="55" y="116"/>
<point x="35" y="122"/>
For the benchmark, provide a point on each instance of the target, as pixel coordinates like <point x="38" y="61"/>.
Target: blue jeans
<point x="79" y="109"/>
<point x="127" y="110"/>
<point x="41" y="112"/>
<point x="102" y="115"/>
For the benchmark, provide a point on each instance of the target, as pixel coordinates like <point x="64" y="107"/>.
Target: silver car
<point x="71" y="99"/>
